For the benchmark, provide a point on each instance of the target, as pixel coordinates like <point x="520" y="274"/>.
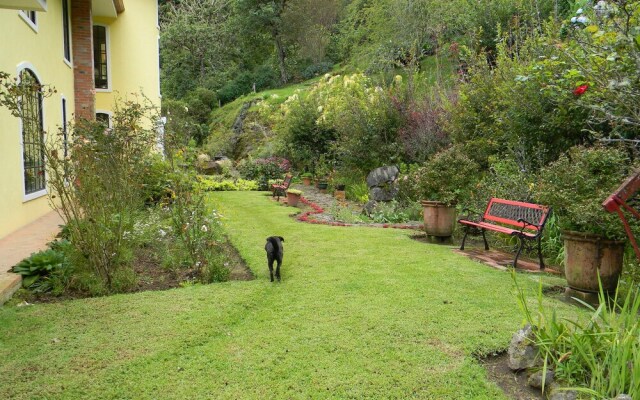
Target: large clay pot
<point x="306" y="181"/>
<point x="439" y="219"/>
<point x="293" y="199"/>
<point x="586" y="255"/>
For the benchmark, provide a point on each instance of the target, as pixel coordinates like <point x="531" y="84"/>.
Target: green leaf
<point x="592" y="28"/>
<point x="29" y="280"/>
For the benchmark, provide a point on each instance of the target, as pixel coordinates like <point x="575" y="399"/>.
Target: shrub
<point x="577" y="184"/>
<point x="98" y="187"/>
<point x="198" y="231"/>
<point x="209" y="184"/>
<point x="423" y="133"/>
<point x="448" y="177"/>
<point x="263" y="169"/>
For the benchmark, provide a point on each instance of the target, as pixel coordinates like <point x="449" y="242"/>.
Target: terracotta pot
<point x="339" y="194"/>
<point x="293" y="199"/>
<point x="586" y="256"/>
<point x="306" y="181"/>
<point x="439" y="219"/>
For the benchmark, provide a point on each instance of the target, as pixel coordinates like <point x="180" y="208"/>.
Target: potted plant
<point x="322" y="174"/>
<point x="339" y="192"/>
<point x="293" y="197"/>
<point x="306" y="178"/>
<point x="443" y="182"/>
<point x="575" y="186"/>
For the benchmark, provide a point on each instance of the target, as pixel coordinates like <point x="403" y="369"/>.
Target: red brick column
<point x="82" y="39"/>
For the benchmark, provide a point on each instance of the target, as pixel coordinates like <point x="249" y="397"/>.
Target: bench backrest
<point x="508" y="212"/>
<point x="287" y="181"/>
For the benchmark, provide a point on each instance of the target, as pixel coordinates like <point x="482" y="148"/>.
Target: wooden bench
<point x="281" y="188"/>
<point x="522" y="220"/>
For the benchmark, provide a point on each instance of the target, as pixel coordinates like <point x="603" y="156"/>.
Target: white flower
<point x="204" y="228"/>
<point x="162" y="233"/>
<point x="579" y="11"/>
<point x="582" y="19"/>
<point x="573" y="20"/>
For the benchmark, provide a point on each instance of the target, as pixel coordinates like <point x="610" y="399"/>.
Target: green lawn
<point x="360" y="313"/>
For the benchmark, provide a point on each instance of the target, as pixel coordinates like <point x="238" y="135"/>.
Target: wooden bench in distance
<point x="522" y="220"/>
<point x="278" y="188"/>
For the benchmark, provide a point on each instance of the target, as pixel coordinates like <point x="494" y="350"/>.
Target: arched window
<point x="32" y="132"/>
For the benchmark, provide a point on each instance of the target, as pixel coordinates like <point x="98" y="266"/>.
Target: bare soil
<point x="513" y="384"/>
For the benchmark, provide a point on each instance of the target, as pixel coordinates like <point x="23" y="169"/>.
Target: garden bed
<point x="151" y="275"/>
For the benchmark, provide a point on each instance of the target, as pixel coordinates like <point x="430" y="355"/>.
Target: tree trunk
<point x="281" y="57"/>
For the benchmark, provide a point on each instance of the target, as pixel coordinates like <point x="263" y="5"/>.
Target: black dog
<point x="274" y="253"/>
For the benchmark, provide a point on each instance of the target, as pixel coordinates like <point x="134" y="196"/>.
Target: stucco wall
<point x="133" y="38"/>
<point x="43" y="51"/>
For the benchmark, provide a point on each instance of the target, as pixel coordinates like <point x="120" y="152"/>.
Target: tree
<point x="264" y="17"/>
<point x="196" y="44"/>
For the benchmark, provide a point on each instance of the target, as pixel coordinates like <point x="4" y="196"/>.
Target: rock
<point x="522" y="352"/>
<point x="210" y="168"/>
<point x="382" y="176"/>
<point x="383" y="193"/>
<point x="369" y="207"/>
<point x="623" y="397"/>
<point x="535" y="379"/>
<point x="557" y="393"/>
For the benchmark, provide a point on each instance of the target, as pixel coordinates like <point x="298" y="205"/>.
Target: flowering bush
<point x="263" y="169"/>
<point x="577" y="184"/>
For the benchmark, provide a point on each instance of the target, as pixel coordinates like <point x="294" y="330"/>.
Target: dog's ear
<point x="281" y="238"/>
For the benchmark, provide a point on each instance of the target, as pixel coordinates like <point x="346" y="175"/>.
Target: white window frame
<point x="64" y="57"/>
<point x="43" y="192"/>
<point x="27" y="20"/>
<point x="109" y="113"/>
<point x="107" y="32"/>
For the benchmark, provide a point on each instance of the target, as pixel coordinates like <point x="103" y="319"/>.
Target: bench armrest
<point x="526" y="223"/>
<point x="470" y="214"/>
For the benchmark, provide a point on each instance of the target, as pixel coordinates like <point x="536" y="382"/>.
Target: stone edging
<point x="307" y="217"/>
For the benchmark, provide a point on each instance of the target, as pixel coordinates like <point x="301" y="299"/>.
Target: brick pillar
<point x="82" y="39"/>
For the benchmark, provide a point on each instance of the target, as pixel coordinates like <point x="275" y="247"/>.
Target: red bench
<point x="281" y="188"/>
<point x="525" y="221"/>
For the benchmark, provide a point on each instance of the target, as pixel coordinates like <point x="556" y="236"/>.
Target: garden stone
<point x="369" y="207"/>
<point x="522" y="353"/>
<point x="382" y="176"/>
<point x="535" y="379"/>
<point x="383" y="193"/>
<point x="556" y="393"/>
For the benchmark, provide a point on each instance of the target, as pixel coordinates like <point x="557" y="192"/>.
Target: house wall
<point x="43" y="51"/>
<point x="134" y="54"/>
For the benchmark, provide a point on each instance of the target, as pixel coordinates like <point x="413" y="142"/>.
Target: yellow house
<point x="91" y="52"/>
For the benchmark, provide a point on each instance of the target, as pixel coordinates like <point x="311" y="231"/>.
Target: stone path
<point x="21" y="244"/>
<point x="330" y="206"/>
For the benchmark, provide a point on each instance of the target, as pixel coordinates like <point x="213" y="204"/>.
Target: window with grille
<point x="100" y="54"/>
<point x="66" y="30"/>
<point x="32" y="132"/>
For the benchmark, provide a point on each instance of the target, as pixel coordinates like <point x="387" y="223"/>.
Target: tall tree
<point x="264" y="17"/>
<point x="196" y="44"/>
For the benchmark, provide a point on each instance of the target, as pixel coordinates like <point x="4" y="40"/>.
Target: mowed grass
<point x="360" y="313"/>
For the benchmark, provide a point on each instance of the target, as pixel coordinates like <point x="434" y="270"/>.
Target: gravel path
<point x="323" y="208"/>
